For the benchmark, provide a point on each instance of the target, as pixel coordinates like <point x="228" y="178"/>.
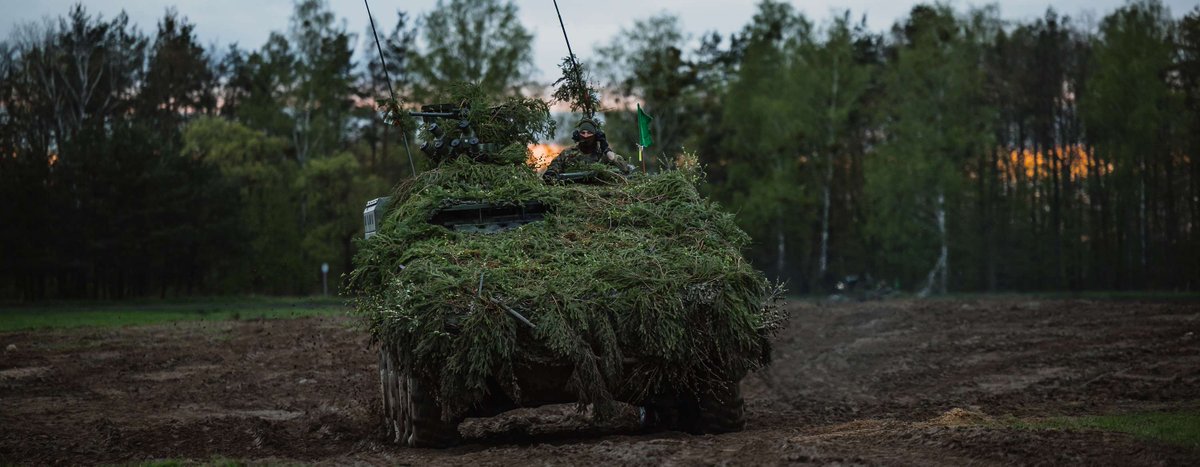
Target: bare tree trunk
<point x="941" y="268"/>
<point x="1193" y="225"/>
<point x="824" y="261"/>
<point x="1143" y="231"/>
<point x="945" y="257"/>
<point x="1171" y="225"/>
<point x="1056" y="155"/>
<point x="1036" y="212"/>
<point x="780" y="248"/>
<point x="986" y="219"/>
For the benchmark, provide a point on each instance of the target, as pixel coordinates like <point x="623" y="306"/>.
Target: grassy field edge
<point x="68" y="315"/>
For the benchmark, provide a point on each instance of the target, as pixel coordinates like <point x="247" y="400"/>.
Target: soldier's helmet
<point x="587" y="124"/>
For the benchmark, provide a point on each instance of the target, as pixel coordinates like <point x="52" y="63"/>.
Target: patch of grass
<point x="1181" y="428"/>
<point x="139" y="313"/>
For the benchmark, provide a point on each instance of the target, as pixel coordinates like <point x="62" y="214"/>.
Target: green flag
<point x="644" y="127"/>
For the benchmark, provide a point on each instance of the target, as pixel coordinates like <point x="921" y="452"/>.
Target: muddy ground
<point x="896" y="382"/>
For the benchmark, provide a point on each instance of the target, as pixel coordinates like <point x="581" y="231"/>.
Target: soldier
<point x="591" y="147"/>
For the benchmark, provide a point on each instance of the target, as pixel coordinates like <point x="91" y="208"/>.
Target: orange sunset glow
<point x="1030" y="164"/>
<point x="540" y="155"/>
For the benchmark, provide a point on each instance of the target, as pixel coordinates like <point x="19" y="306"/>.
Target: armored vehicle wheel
<point x="662" y="416"/>
<point x="720" y="410"/>
<point x="412" y="415"/>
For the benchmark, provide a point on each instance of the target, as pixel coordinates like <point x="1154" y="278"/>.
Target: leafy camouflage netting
<point x="505" y="126"/>
<point x="638" y="285"/>
<point x="644" y="269"/>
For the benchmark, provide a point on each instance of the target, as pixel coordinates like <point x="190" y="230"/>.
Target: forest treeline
<point x="957" y="151"/>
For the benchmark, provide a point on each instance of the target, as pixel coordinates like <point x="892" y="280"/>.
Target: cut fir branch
<point x="574" y="89"/>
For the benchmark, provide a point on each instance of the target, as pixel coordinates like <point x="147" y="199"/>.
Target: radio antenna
<point x="574" y="62"/>
<point x="387" y="76"/>
<point x="565" y="38"/>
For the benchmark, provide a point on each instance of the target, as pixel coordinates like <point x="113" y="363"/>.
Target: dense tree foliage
<point x="480" y="41"/>
<point x="955" y="152"/>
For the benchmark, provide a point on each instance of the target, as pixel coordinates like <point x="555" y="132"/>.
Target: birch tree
<point x="319" y="96"/>
<point x="1128" y="109"/>
<point x="935" y="119"/>
<point x="764" y="123"/>
<point x="832" y="83"/>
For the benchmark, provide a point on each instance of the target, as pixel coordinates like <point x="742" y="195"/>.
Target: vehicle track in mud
<point x="895" y="382"/>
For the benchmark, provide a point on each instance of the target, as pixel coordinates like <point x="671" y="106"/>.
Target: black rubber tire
<point x="656" y="417"/>
<point x="722" y="410"/>
<point x="428" y="430"/>
<point x="411" y="413"/>
<point x="719" y="410"/>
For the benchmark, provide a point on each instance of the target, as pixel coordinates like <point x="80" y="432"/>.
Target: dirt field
<point x="898" y="382"/>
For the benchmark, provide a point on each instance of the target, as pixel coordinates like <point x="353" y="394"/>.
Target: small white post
<point x="325" y="279"/>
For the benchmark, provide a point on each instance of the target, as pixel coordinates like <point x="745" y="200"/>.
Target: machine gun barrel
<point x="436" y="114"/>
<point x="575" y="176"/>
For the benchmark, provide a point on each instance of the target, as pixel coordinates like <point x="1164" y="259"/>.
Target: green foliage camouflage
<point x="511" y="120"/>
<point x="573" y="89"/>
<point x="642" y="269"/>
<point x="505" y="125"/>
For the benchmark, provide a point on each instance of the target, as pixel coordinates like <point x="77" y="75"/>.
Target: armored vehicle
<point x="490" y="288"/>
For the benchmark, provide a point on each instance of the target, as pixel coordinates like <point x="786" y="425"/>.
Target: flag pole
<point x="644" y="139"/>
<point x="640" y="158"/>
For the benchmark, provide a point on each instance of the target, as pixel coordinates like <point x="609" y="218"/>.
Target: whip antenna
<point x="574" y="63"/>
<point x="388" y="77"/>
<point x="565" y="38"/>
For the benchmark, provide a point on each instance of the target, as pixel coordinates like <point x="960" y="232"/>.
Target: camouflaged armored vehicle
<point x="488" y="287"/>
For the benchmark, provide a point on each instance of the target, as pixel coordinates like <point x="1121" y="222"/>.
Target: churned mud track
<point x="898" y="382"/>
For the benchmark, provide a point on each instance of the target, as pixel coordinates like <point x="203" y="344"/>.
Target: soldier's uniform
<point x="575" y="157"/>
<point x="584" y="153"/>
